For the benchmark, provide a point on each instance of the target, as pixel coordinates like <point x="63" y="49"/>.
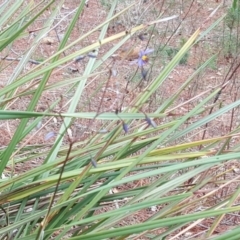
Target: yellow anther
<point x="144" y="58"/>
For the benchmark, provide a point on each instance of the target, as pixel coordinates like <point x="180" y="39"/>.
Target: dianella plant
<point x="119" y="120"/>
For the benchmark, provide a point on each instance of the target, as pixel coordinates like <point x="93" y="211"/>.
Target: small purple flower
<point x="92" y="54"/>
<point x="79" y="58"/>
<point x="141" y="37"/>
<point x="142" y="57"/>
<point x="144" y="73"/>
<point x="125" y="127"/>
<point x="93" y="162"/>
<point x="150" y="122"/>
<point x="49" y="135"/>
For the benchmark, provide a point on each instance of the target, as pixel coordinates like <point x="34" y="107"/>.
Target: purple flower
<point x="49" y="135"/>
<point x="142" y="57"/>
<point x="150" y="122"/>
<point x="93" y="162"/>
<point x="125" y="127"/>
<point x="141" y="37"/>
<point x="144" y="73"/>
<point x="79" y="58"/>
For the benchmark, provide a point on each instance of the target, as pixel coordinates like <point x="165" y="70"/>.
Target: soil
<point x="119" y="91"/>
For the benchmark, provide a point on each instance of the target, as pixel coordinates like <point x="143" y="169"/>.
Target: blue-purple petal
<point x="153" y="124"/>
<point x="49" y="135"/>
<point x="140" y="62"/>
<point x="79" y="58"/>
<point x="150" y="122"/>
<point x="144" y="73"/>
<point x="125" y="127"/>
<point x="148" y="51"/>
<point x="93" y="162"/>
